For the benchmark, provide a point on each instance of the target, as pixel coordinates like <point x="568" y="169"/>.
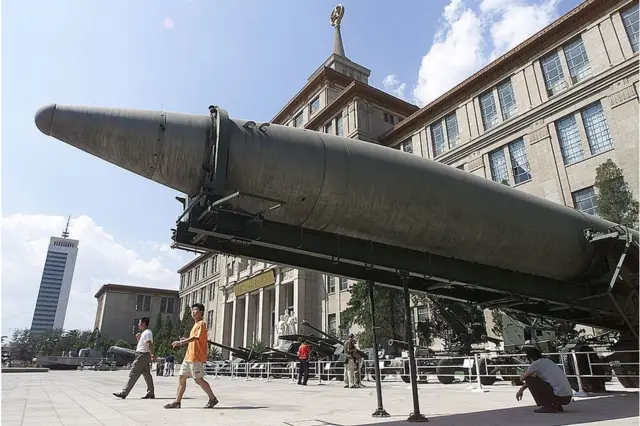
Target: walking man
<point x="168" y="367"/>
<point x="142" y="363"/>
<point x="547" y="383"/>
<point x="303" y="365"/>
<point x="195" y="359"/>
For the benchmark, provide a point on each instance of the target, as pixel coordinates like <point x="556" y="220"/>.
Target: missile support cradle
<point x="360" y="210"/>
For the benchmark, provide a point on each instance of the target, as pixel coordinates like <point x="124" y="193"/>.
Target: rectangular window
<point x="519" y="161"/>
<point x="488" y="110"/>
<point x="189" y="278"/>
<point x="163" y="305"/>
<point x="584" y="200"/>
<point x="331" y="326"/>
<point x="344" y="284"/>
<point x="209" y="319"/>
<point x="328" y="128"/>
<point x="407" y="146"/>
<point x="331" y="285"/>
<point x="498" y="164"/>
<point x="453" y="133"/>
<point x="314" y="105"/>
<point x="205" y="268"/>
<point x="552" y="73"/>
<point x="297" y="120"/>
<point x="197" y="278"/>
<point x="211" y="290"/>
<point x="437" y="139"/>
<point x="339" y="125"/>
<point x="631" y="25"/>
<point x="569" y="137"/>
<point x="214" y="264"/>
<point x="203" y="295"/>
<point x="143" y="303"/>
<point x="182" y="281"/>
<point x="507" y="100"/>
<point x="577" y="60"/>
<point x="423" y="313"/>
<point x="596" y="128"/>
<point x="171" y="305"/>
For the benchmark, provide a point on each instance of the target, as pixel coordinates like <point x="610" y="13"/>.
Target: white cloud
<point x="168" y="23"/>
<point x="101" y="259"/>
<point x="470" y="38"/>
<point x="392" y="85"/>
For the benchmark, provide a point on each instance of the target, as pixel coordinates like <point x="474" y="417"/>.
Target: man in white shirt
<point x="547" y="383"/>
<point x="142" y="363"/>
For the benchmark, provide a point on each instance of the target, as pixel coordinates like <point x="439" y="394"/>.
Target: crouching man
<point x="547" y="383"/>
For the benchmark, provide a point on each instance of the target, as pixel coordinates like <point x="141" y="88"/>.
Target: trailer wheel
<point x="482" y="368"/>
<point x="626" y="370"/>
<point x="589" y="384"/>
<point x="445" y="366"/>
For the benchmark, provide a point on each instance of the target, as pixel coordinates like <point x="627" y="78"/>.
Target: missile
<point x="337" y="185"/>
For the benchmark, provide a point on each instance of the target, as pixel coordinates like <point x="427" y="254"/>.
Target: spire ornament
<point x="336" y="18"/>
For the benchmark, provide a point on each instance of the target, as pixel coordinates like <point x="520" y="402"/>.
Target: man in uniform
<point x="195" y="359"/>
<point x="142" y="363"/>
<point x="350" y="362"/>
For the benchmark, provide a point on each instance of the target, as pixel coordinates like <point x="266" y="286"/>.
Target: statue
<point x="292" y="324"/>
<point x="285" y="316"/>
<point x="282" y="330"/>
<point x="336" y="15"/>
<point x="96" y="345"/>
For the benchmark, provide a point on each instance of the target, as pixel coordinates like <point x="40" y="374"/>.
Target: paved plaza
<point x="84" y="398"/>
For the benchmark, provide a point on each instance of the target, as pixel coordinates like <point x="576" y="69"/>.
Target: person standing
<point x="168" y="368"/>
<point x="142" y="363"/>
<point x="303" y="364"/>
<point x="195" y="359"/>
<point x="350" y="363"/>
<point x="547" y="383"/>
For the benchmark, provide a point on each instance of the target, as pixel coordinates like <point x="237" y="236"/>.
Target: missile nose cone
<point x="44" y="118"/>
<point x="168" y="148"/>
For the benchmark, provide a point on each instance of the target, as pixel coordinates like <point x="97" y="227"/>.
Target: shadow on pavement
<point x="614" y="407"/>
<point x="240" y="407"/>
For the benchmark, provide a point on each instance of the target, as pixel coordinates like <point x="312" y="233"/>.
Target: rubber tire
<point x="445" y="367"/>
<point x="482" y="367"/>
<point x="589" y="384"/>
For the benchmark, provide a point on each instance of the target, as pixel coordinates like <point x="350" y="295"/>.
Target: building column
<point x="276" y="302"/>
<point x="245" y="335"/>
<point x="260" y="314"/>
<point x="220" y="323"/>
<point x="233" y="322"/>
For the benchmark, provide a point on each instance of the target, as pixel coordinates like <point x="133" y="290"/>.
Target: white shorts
<point x="192" y="369"/>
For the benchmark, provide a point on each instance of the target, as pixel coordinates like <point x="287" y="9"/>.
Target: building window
<point x="189" y="278"/>
<point x="453" y="134"/>
<point x="584" y="200"/>
<point x="437" y="139"/>
<point x="596" y="128"/>
<point x="552" y="73"/>
<point x="205" y="268"/>
<point x="209" y="319"/>
<point x="182" y="281"/>
<point x="331" y="285"/>
<point x="203" y="295"/>
<point x="297" y="120"/>
<point x="488" y="110"/>
<point x="143" y="303"/>
<point x="314" y="105"/>
<point x="498" y="163"/>
<point x="519" y="161"/>
<point x="344" y="284"/>
<point x="167" y="305"/>
<point x="507" y="100"/>
<point x="631" y="25"/>
<point x="577" y="60"/>
<point x="339" y="125"/>
<point x="407" y="146"/>
<point x="212" y="288"/>
<point x="569" y="138"/>
<point x="328" y="128"/>
<point x="214" y="264"/>
<point x="331" y="324"/>
<point x="197" y="277"/>
<point x="388" y="118"/>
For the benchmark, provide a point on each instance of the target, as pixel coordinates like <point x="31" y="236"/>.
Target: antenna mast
<point x="65" y="233"/>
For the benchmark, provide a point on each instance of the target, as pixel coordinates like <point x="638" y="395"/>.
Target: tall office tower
<point x="55" y="285"/>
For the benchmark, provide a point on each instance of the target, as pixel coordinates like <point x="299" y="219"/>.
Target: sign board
<point x="261" y="280"/>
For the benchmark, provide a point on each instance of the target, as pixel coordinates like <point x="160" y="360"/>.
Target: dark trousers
<point x="542" y="393"/>
<point x="141" y="366"/>
<point x="303" y="365"/>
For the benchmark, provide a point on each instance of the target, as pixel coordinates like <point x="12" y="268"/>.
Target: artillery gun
<point x="453" y="234"/>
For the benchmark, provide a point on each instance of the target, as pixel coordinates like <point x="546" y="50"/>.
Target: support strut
<point x="380" y="411"/>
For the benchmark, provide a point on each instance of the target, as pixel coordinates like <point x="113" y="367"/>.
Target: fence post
<point x="268" y="379"/>
<point x="292" y="367"/>
<point x="319" y="372"/>
<point x="246" y="371"/>
<point x="479" y="388"/>
<point x="581" y="391"/>
<point x="470" y="372"/>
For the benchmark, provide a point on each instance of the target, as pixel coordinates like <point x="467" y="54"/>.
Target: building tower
<point x="55" y="285"/>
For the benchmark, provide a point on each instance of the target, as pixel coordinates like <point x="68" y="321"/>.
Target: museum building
<point x="541" y="119"/>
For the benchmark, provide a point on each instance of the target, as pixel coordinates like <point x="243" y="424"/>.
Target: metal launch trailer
<point x="350" y="208"/>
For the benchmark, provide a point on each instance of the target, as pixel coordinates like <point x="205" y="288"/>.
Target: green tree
<point x="389" y="307"/>
<point x="614" y="199"/>
<point x="121" y="343"/>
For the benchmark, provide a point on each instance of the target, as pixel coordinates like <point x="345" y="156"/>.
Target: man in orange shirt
<point x="303" y="357"/>
<point x="195" y="359"/>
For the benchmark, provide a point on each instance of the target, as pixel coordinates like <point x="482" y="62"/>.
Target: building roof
<point x="504" y="65"/>
<point x="197" y="260"/>
<point x="121" y="288"/>
<point x="360" y="89"/>
<point x="317" y="80"/>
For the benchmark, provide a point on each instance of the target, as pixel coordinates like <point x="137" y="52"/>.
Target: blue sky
<point x="248" y="57"/>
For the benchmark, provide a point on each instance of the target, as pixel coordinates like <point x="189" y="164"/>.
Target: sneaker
<point x="119" y="395"/>
<point x="212" y="403"/>
<point x="173" y="405"/>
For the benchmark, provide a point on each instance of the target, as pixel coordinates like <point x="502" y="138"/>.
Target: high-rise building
<point x="55" y="285"/>
<point x="540" y="119"/>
